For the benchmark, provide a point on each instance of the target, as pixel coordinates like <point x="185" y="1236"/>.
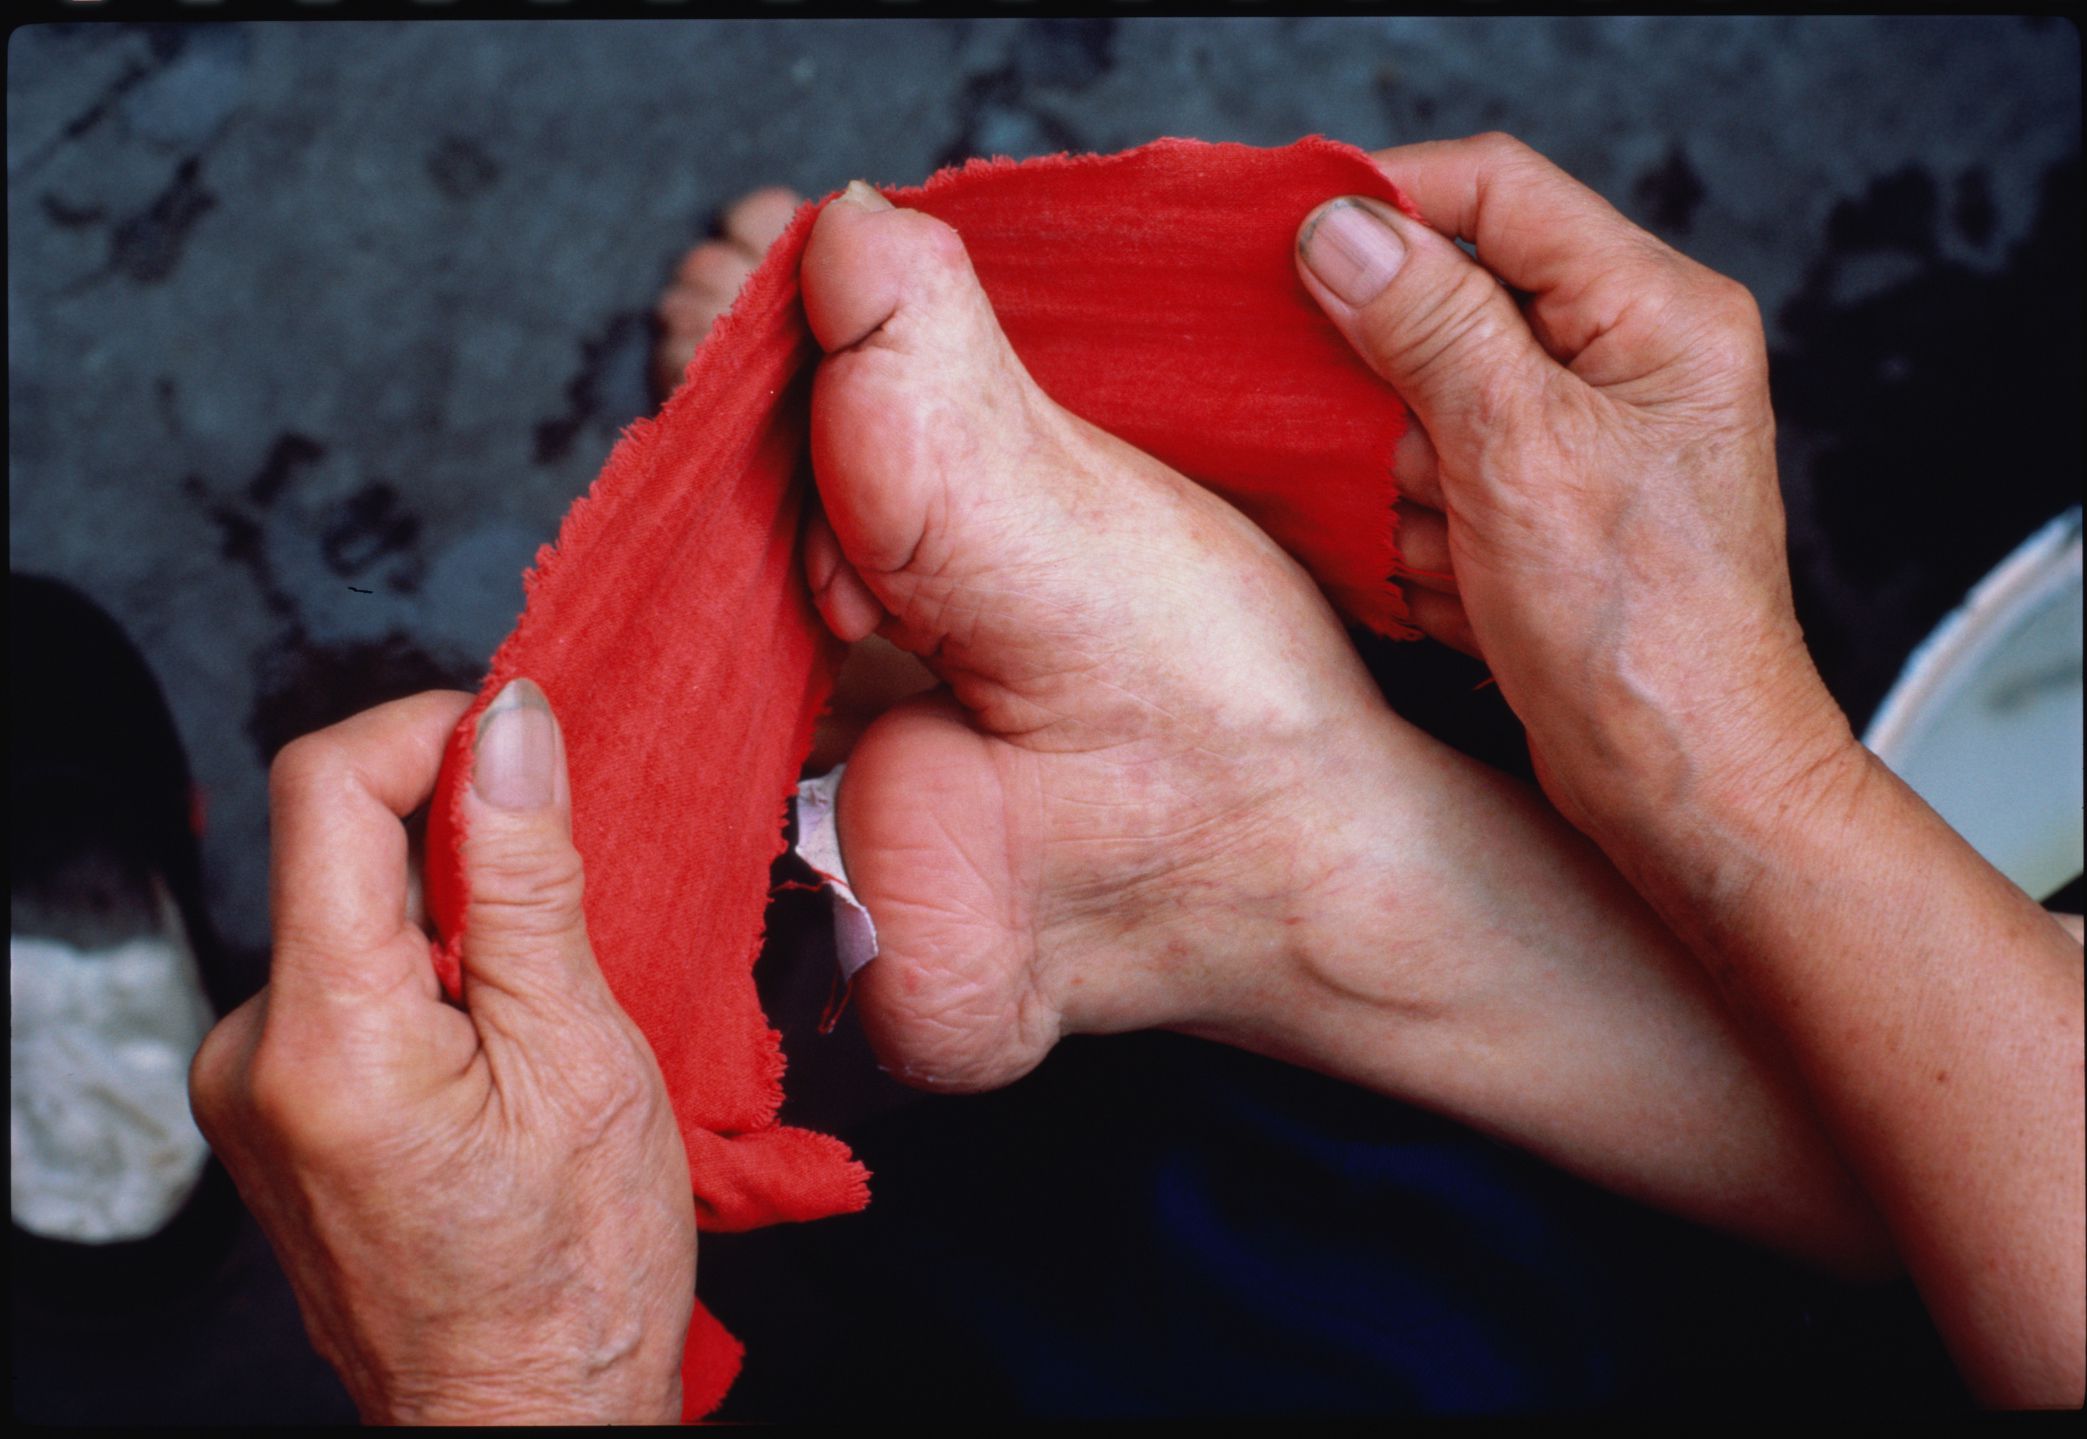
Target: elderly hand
<point x="1599" y="440"/>
<point x="485" y="1212"/>
<point x="1596" y="429"/>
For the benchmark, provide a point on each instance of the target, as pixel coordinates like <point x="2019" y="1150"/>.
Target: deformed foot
<point x="1117" y="810"/>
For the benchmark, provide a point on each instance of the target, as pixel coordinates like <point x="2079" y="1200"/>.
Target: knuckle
<point x="602" y="1090"/>
<point x="307" y="768"/>
<point x="218" y="1073"/>
<point x="1507" y="158"/>
<point x="1739" y="301"/>
<point x="532" y="889"/>
<point x="611" y="1096"/>
<point x="1734" y="339"/>
<point x="1732" y="306"/>
<point x="298" y="1115"/>
<point x="1729" y="352"/>
<point x="1501" y="148"/>
<point x="1707" y="326"/>
<point x="1431" y="341"/>
<point x="210" y="1082"/>
<point x="278" y="1103"/>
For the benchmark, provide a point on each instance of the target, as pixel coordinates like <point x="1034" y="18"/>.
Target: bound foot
<point x="1133" y="798"/>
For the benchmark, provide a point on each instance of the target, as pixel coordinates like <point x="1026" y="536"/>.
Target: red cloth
<point x="1151" y="292"/>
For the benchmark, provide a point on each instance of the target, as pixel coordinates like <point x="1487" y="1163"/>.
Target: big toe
<point x="933" y="449"/>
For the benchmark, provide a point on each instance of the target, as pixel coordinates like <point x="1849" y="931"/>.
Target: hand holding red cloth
<point x="1152" y="293"/>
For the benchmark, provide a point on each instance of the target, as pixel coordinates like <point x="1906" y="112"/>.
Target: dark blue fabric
<point x="1151" y="1225"/>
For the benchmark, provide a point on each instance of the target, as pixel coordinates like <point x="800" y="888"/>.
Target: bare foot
<point x="1161" y="791"/>
<point x="1118" y="811"/>
<point x="709" y="278"/>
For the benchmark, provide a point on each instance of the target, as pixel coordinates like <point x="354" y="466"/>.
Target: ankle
<point x="1334" y="896"/>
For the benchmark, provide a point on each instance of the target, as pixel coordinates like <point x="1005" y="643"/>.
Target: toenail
<point x="860" y="194"/>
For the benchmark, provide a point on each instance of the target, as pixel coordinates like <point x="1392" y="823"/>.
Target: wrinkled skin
<point x="484" y="1212"/>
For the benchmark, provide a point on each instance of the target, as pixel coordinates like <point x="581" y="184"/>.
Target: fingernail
<point x="515" y="766"/>
<point x="862" y="195"/>
<point x="1353" y="251"/>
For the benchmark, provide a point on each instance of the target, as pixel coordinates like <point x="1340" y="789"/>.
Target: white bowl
<point x="1984" y="722"/>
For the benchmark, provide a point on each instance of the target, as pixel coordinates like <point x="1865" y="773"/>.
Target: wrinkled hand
<point x="1603" y="452"/>
<point x="1599" y="438"/>
<point x="485" y="1212"/>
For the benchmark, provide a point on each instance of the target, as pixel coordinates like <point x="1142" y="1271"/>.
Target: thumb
<point x="1430" y="320"/>
<point x="525" y="936"/>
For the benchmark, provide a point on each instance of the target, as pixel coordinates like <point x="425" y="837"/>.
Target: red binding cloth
<point x="1151" y="292"/>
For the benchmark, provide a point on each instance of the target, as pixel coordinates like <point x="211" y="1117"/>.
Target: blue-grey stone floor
<point x="300" y="310"/>
<point x="316" y="328"/>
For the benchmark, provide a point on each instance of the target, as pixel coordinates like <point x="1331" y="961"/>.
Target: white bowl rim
<point x="2045" y="560"/>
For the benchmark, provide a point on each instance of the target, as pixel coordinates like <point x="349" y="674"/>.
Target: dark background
<point x="297" y="311"/>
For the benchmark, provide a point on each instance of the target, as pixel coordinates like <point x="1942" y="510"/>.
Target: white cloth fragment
<point x="819" y="845"/>
<point x="101" y="1145"/>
